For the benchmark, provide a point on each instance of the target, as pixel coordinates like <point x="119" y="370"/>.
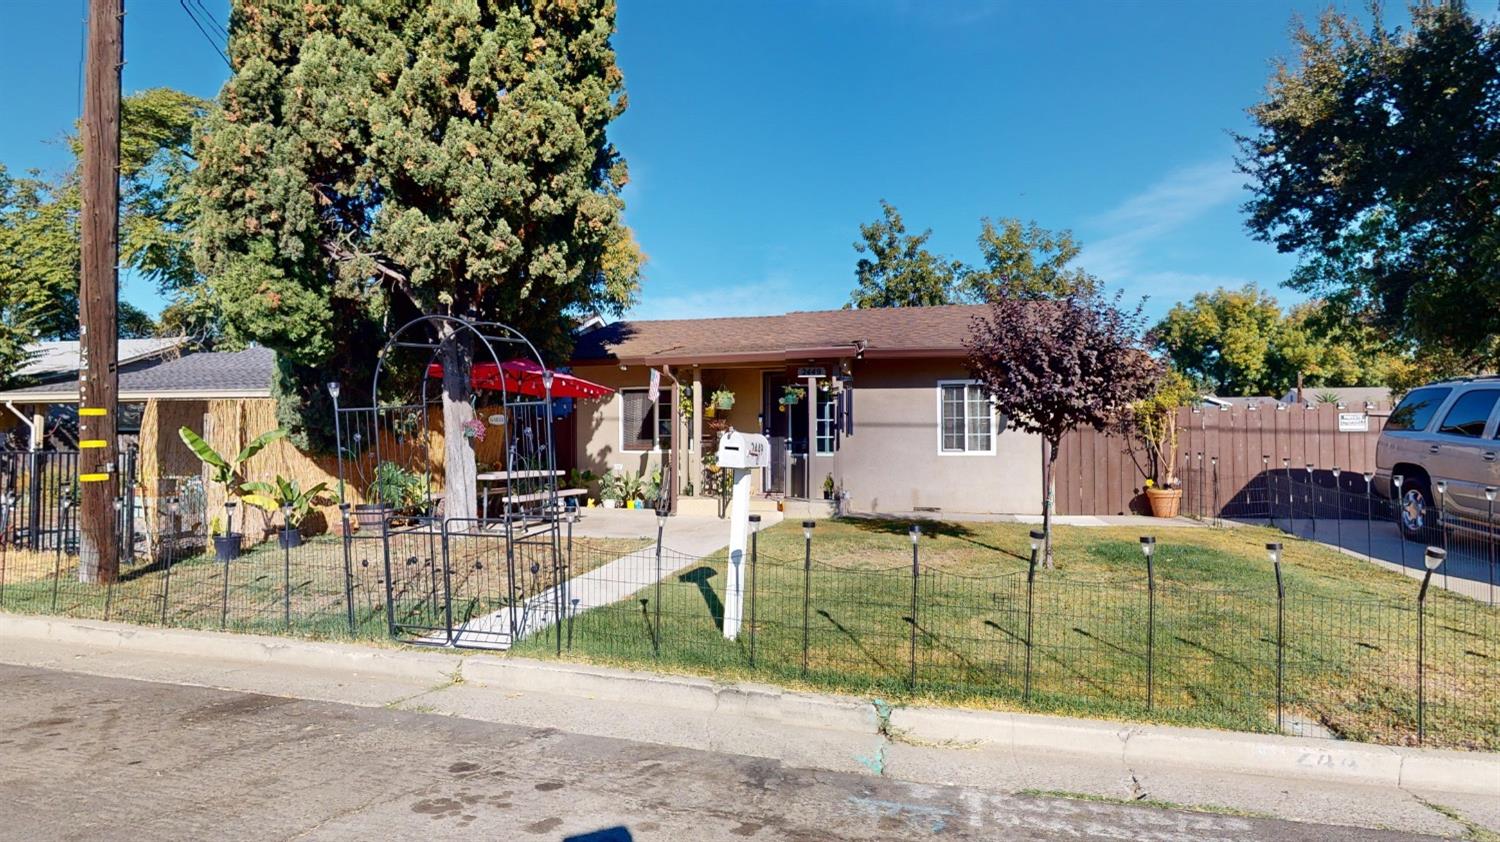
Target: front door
<point x="774" y="428"/>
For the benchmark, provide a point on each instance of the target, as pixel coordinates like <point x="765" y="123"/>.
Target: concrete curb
<point x="1139" y="748"/>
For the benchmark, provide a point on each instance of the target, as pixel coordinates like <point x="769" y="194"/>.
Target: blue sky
<point x="759" y="141"/>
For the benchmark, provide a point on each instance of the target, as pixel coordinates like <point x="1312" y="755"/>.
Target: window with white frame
<point x="827" y="422"/>
<point x="637" y="415"/>
<point x="966" y="418"/>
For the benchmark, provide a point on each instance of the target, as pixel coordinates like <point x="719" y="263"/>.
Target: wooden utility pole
<point x="98" y="377"/>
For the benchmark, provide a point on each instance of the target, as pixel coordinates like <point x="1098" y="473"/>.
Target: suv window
<point x="1417" y="408"/>
<point x="1470" y="413"/>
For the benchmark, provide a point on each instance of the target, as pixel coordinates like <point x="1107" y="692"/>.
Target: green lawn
<point x="304" y="591"/>
<point x="1350" y="629"/>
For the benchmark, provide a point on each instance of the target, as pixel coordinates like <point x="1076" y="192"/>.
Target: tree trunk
<point x="459" y="471"/>
<point x="1049" y="490"/>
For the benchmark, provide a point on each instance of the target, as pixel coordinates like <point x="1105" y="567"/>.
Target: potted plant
<point x="226" y="473"/>
<point x="630" y="489"/>
<point x="792" y="395"/>
<point x="285" y="495"/>
<point x="610" y="489"/>
<point x="828" y="487"/>
<point x="1152" y="422"/>
<point x="394" y="489"/>
<point x="722" y="399"/>
<point x="225" y="547"/>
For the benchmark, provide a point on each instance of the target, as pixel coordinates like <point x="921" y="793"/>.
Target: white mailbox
<point x="744" y="450"/>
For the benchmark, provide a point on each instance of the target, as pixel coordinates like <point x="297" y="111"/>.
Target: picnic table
<point x="487" y="479"/>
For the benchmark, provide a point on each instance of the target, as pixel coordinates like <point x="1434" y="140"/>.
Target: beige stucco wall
<point x="889" y="460"/>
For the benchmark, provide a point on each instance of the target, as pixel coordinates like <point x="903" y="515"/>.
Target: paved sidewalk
<point x="982" y="754"/>
<point x="99" y="759"/>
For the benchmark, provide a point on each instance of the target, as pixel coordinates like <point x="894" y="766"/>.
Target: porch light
<point x="1037" y="537"/>
<point x="333" y="390"/>
<point x="1273" y="552"/>
<point x="807" y="528"/>
<point x="1148" y="545"/>
<point x="1434" y="558"/>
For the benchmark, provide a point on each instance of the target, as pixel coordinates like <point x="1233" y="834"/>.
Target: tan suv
<point x="1441" y="433"/>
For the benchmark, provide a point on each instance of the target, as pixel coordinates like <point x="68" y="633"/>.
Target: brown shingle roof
<point x="903" y="331"/>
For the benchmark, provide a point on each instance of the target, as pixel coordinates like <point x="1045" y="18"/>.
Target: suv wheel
<point x="1415" y="513"/>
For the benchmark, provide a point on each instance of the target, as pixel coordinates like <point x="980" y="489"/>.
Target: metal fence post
<point x="916" y="538"/>
<point x="1442" y="495"/>
<point x="7" y="511"/>
<point x="754" y="557"/>
<point x="570" y="604"/>
<point x="1432" y="560"/>
<point x="1214" y="466"/>
<point x="807" y="528"/>
<point x="1369" y="516"/>
<point x="1148" y="547"/>
<point x="1312" y="502"/>
<point x="1489" y="495"/>
<point x="224" y="599"/>
<point x="1265" y="471"/>
<point x="67" y="501"/>
<point x="1274" y="551"/>
<point x="661" y="524"/>
<point x="1397" y="481"/>
<point x="1037" y="536"/>
<point x="1338" y="506"/>
<point x="286" y="565"/>
<point x="167" y="548"/>
<point x="390" y="593"/>
<point x="348" y="566"/>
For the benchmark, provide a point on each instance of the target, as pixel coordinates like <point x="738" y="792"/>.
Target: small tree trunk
<point x="459" y="469"/>
<point x="1049" y="490"/>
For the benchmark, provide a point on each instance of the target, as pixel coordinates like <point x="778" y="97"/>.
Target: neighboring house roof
<point x="1350" y="395"/>
<point x="889" y="332"/>
<point x="1215" y="400"/>
<point x="49" y="360"/>
<point x="213" y="374"/>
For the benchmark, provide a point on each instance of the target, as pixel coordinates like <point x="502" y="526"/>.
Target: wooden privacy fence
<point x="1221" y="457"/>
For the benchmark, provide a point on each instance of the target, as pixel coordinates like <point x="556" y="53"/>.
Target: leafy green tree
<point x="1025" y="260"/>
<point x="899" y="271"/>
<point x="1238" y="342"/>
<point x="39" y="241"/>
<point x="1375" y="160"/>
<point x="371" y="162"/>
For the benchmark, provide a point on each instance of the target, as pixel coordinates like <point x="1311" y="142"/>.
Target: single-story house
<point x="875" y="405"/>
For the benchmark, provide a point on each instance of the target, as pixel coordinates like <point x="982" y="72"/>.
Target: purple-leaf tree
<point x="1054" y="365"/>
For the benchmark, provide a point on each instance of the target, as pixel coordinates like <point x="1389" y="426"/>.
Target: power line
<point x="209" y="16"/>
<point x="212" y="42"/>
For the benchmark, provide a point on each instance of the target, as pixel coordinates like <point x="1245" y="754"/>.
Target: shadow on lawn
<point x="930" y="528"/>
<point x="699" y="576"/>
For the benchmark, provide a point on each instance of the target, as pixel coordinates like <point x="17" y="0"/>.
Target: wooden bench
<point x="538" y="496"/>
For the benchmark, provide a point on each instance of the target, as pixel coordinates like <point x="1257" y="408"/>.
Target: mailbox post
<point x="739" y="452"/>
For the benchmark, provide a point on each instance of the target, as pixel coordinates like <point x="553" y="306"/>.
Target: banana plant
<point x="226" y="472"/>
<point x="283" y="492"/>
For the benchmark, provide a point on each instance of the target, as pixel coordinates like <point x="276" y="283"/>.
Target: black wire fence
<point x="1384" y="670"/>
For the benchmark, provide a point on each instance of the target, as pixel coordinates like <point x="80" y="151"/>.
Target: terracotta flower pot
<point x="1165" y="502"/>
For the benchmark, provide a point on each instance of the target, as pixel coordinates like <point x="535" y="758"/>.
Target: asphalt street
<point x="98" y="758"/>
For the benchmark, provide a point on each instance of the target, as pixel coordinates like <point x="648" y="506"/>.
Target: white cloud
<point x="1172" y="203"/>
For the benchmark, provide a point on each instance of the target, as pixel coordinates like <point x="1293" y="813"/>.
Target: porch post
<point x="812" y="435"/>
<point x="38" y="425"/>
<point x="695" y="443"/>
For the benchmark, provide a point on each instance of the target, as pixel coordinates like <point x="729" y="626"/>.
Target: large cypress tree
<point x="369" y="162"/>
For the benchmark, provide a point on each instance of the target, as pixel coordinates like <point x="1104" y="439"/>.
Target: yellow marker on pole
<point x="89" y="444"/>
<point x="93" y="411"/>
<point x="93" y="477"/>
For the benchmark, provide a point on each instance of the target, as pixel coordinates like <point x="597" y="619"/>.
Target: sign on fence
<point x="1354" y="422"/>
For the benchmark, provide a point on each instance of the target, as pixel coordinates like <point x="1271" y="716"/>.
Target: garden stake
<point x="1442" y="495"/>
<point x="806" y="588"/>
<point x="1148" y="547"/>
<point x="1291" y="505"/>
<point x="447" y="587"/>
<point x="1214" y="464"/>
<point x="1369" y="518"/>
<point x="1037" y="537"/>
<point x="224" y="600"/>
<point x="754" y="553"/>
<point x="571" y="603"/>
<point x="1312" y="502"/>
<point x="558" y="583"/>
<point x="57" y="563"/>
<point x="1265" y="471"/>
<point x="916" y="536"/>
<point x="348" y="566"/>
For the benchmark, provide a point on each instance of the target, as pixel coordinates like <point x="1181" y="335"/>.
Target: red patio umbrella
<point x="524" y="377"/>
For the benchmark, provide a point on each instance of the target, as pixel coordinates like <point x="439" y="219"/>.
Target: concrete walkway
<point x="1466" y="571"/>
<point x="685" y="541"/>
<point x="1452" y="794"/>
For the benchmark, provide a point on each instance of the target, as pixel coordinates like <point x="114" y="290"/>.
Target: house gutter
<point x="783" y="356"/>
